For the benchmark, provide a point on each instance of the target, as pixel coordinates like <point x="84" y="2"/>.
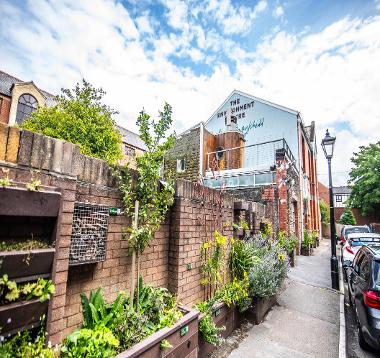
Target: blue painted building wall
<point x="260" y="122"/>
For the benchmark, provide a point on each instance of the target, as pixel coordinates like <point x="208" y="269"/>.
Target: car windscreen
<point x="356" y="230"/>
<point x="360" y="241"/>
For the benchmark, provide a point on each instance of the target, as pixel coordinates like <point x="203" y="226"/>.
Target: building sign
<point x="253" y="124"/>
<point x="237" y="109"/>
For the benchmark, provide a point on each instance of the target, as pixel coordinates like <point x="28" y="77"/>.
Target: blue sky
<point x="318" y="57"/>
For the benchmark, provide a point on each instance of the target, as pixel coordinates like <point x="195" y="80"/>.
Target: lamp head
<point x="328" y="143"/>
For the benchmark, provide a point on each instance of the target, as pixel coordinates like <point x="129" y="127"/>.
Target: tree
<point x="80" y="117"/>
<point x="325" y="214"/>
<point x="365" y="179"/>
<point x="146" y="198"/>
<point x="347" y="218"/>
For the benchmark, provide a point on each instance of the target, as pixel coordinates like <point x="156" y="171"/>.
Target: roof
<point x="7" y="82"/>
<point x="131" y="138"/>
<point x="341" y="190"/>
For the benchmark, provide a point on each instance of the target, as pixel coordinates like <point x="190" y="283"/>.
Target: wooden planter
<point x="223" y="316"/>
<point x="292" y="258"/>
<point x="238" y="232"/>
<point x="22" y="202"/>
<point x="305" y="251"/>
<point x="183" y="336"/>
<point x="23" y="315"/>
<point x="27" y="265"/>
<point x="259" y="308"/>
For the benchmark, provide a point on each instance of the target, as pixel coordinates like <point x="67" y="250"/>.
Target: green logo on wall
<point x="251" y="125"/>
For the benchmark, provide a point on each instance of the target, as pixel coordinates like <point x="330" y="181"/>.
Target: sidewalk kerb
<point x="342" y="315"/>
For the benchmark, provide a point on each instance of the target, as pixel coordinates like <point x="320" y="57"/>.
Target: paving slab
<point x="305" y="323"/>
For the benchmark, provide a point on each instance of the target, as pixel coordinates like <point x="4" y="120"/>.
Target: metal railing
<point x="251" y="157"/>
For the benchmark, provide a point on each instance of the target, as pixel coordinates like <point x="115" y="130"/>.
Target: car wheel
<point x="362" y="343"/>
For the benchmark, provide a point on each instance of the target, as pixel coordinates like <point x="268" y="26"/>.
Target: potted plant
<point x="266" y="277"/>
<point x="22" y="305"/>
<point x="238" y="230"/>
<point x="306" y="245"/>
<point x="288" y="244"/>
<point x="151" y="326"/>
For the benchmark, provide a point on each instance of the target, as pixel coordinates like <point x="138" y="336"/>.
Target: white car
<point x="355" y="241"/>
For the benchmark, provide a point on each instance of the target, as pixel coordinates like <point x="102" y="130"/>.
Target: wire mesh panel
<point x="89" y="234"/>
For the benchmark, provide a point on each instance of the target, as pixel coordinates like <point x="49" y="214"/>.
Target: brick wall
<point x="197" y="212"/>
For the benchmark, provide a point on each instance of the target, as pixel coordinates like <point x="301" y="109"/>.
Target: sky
<point x="321" y="58"/>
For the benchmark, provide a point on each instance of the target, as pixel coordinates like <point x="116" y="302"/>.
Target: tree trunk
<point x="133" y="273"/>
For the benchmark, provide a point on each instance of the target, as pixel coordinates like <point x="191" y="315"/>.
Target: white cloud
<point x="278" y="11"/>
<point x="331" y="76"/>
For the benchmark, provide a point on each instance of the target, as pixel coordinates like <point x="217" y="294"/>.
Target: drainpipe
<point x="201" y="149"/>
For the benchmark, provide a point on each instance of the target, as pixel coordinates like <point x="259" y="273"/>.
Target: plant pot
<point x="241" y="205"/>
<point x="238" y="232"/>
<point x="259" y="308"/>
<point x="20" y="316"/>
<point x="292" y="258"/>
<point x="27" y="265"/>
<point x="29" y="203"/>
<point x="223" y="316"/>
<point x="305" y="251"/>
<point x="183" y="336"/>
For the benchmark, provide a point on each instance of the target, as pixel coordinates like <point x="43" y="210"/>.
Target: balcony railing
<point x="255" y="157"/>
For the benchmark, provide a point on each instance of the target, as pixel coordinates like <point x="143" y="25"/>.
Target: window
<point x="181" y="165"/>
<point x="338" y="198"/>
<point x="26" y="105"/>
<point x="129" y="151"/>
<point x="364" y="269"/>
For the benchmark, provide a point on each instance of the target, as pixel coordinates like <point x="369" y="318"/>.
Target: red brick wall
<point x="360" y="219"/>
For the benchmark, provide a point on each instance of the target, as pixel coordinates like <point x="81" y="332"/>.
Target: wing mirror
<point x="347" y="263"/>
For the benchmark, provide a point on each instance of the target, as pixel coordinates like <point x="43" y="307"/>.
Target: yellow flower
<point x="281" y="257"/>
<point x="206" y="245"/>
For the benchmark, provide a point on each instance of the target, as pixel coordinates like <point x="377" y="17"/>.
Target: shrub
<point x="347" y="218"/>
<point x="267" y="275"/>
<point x="266" y="229"/>
<point x="325" y="214"/>
<point x="242" y="258"/>
<point x="288" y="244"/>
<point x="80" y="118"/>
<point x="307" y="239"/>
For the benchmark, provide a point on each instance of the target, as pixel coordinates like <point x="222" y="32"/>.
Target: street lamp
<point x="328" y="143"/>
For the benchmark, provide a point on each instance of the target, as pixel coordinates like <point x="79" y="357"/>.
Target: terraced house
<point x="257" y="150"/>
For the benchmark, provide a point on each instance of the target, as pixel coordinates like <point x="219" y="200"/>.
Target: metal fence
<point x="251" y="157"/>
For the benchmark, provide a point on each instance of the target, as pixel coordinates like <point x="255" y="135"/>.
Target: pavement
<point x="305" y="323"/>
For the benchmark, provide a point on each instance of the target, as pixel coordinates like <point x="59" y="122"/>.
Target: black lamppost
<point x="328" y="143"/>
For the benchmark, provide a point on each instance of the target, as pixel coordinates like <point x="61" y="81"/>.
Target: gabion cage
<point x="89" y="234"/>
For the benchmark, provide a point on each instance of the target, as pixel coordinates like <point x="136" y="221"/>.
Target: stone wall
<point x="173" y="258"/>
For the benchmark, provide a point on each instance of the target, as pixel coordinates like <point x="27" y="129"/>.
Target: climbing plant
<point x="146" y="197"/>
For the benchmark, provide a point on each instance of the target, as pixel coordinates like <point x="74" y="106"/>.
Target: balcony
<point x="247" y="166"/>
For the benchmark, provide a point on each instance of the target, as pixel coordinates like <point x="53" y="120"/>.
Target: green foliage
<point x="34" y="185"/>
<point x="97" y="313"/>
<point x="235" y="293"/>
<point x="307" y="239"/>
<point x="242" y="258"/>
<point x="12" y="245"/>
<point x="80" y="117"/>
<point x="242" y="224"/>
<point x="90" y="343"/>
<point x="365" y="178"/>
<point x="266" y="229"/>
<point x="155" y="197"/>
<point x="22" y="345"/>
<point x="286" y="243"/>
<point x="165" y="344"/>
<point x="157" y="309"/>
<point x="5" y="182"/>
<point x="347" y="217"/>
<point x="213" y="253"/>
<point x="10" y="291"/>
<point x="209" y="330"/>
<point x="325" y="212"/>
<point x="267" y="275"/>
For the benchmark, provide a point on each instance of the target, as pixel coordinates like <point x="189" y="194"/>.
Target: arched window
<point x="26" y="105"/>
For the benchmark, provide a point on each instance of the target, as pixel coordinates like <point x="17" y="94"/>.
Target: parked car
<point x="355" y="241"/>
<point x="350" y="229"/>
<point x="364" y="293"/>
